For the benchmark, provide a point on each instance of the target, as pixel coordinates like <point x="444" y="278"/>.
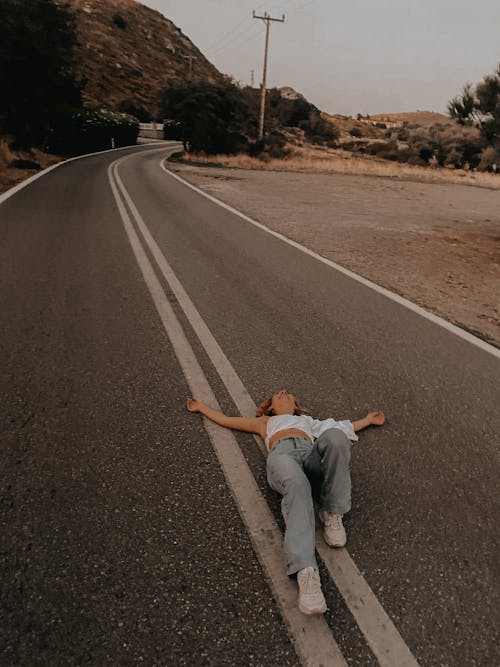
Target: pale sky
<point x="350" y="56"/>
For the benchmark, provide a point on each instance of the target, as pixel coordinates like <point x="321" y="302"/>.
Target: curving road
<point x="121" y="539"/>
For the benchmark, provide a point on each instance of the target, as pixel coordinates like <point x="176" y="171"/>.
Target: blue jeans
<point x="297" y="469"/>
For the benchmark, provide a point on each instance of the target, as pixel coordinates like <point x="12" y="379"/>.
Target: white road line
<point x="372" y="619"/>
<point x="312" y="638"/>
<point x="235" y="386"/>
<point x="478" y="342"/>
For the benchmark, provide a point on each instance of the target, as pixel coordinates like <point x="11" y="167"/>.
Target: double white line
<point x="311" y="636"/>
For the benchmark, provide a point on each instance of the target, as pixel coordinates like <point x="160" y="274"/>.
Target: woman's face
<point x="283" y="403"/>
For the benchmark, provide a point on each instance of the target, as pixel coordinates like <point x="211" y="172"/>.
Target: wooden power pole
<point x="267" y="20"/>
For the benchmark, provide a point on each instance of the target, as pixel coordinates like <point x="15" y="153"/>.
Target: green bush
<point x="87" y="130"/>
<point x="211" y="117"/>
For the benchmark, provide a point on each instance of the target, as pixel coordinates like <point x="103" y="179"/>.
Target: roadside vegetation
<point x="218" y="123"/>
<point x="223" y="118"/>
<point x="316" y="159"/>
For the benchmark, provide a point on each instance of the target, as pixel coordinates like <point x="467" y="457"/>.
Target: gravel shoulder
<point x="438" y="245"/>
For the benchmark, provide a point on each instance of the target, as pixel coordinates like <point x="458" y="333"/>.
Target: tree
<point x="319" y="130"/>
<point x="288" y="112"/>
<point x="136" y="109"/>
<point x="36" y="68"/>
<point x="211" y="116"/>
<point x="481" y="105"/>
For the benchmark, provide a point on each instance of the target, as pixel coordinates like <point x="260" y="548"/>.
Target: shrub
<point x="288" y="112"/>
<point x="119" y="21"/>
<point x="470" y="150"/>
<point x="377" y="147"/>
<point x="318" y="130"/>
<point x="490" y="160"/>
<point x="415" y="159"/>
<point x="134" y="108"/>
<point x="23" y="164"/>
<point x="88" y="130"/>
<point x="426" y="153"/>
<point x="271" y="146"/>
<point x="355" y="132"/>
<point x="454" y="159"/>
<point x="172" y="129"/>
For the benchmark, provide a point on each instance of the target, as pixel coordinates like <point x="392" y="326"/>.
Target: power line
<point x="236" y="45"/>
<point x="229" y="33"/>
<point x="232" y="33"/>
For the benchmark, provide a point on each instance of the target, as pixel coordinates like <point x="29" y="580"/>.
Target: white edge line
<point x="378" y="629"/>
<point x="13" y="190"/>
<point x="311" y="635"/>
<point x="453" y="328"/>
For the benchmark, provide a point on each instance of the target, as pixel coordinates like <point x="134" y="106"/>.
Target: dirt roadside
<point x="438" y="245"/>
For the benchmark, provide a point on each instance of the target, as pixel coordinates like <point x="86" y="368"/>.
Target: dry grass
<point x="12" y="176"/>
<point x="6" y="153"/>
<point x="318" y="160"/>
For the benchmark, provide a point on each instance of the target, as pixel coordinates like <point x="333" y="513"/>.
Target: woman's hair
<point x="266" y="409"/>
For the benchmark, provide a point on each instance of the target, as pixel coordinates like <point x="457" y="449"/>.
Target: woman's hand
<point x="193" y="405"/>
<point x="376" y="418"/>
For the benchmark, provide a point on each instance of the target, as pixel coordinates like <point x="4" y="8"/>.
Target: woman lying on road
<point x="306" y="456"/>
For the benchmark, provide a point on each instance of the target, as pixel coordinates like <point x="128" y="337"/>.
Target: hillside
<point x="416" y="117"/>
<point x="126" y="52"/>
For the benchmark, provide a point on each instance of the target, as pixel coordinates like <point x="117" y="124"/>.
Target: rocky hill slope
<point x="126" y="52"/>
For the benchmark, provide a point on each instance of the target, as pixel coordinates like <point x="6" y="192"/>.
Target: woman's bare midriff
<point x="287" y="433"/>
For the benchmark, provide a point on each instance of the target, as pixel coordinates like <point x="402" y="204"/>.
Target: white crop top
<point x="312" y="427"/>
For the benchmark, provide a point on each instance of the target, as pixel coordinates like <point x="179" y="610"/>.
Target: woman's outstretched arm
<point x="249" y="424"/>
<point x="375" y="418"/>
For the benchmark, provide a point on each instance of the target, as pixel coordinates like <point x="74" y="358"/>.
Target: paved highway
<point x="132" y="532"/>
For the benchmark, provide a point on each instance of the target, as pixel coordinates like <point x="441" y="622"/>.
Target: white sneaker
<point x="334" y="531"/>
<point x="311" y="598"/>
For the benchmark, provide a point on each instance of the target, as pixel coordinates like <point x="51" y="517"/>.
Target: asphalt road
<point x="120" y="541"/>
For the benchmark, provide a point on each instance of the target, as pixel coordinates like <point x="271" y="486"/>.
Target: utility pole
<point x="267" y="20"/>
<point x="251" y="76"/>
